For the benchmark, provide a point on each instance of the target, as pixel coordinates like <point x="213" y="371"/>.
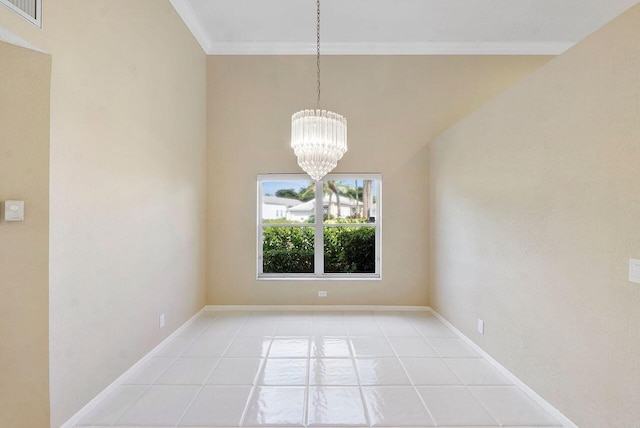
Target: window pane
<point x="350" y="249"/>
<point x="349" y="200"/>
<point x="291" y="201"/>
<point x="287" y="249"/>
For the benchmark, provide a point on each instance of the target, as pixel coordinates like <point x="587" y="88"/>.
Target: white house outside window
<point x="327" y="229"/>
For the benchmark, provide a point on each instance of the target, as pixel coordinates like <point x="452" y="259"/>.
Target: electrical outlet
<point x="322" y="294"/>
<point x="480" y="326"/>
<point x="162" y="320"/>
<point x="634" y="270"/>
<point x="14" y="211"/>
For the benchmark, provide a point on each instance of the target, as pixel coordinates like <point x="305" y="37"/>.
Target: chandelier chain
<point x="318" y="51"/>
<point x="318" y="137"/>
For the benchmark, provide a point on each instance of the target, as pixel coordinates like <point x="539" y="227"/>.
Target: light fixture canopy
<point x="318" y="137"/>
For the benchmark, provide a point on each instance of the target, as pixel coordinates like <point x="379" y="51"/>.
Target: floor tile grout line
<point x="454" y="373"/>
<point x="457" y="376"/>
<point x="305" y="420"/>
<point x="357" y="371"/>
<point x="308" y="362"/>
<point x="444" y="359"/>
<point x="484" y="407"/>
<point x="215" y="366"/>
<point x="148" y="387"/>
<point x="202" y="386"/>
<point x="126" y="408"/>
<point x="407" y="374"/>
<point x="157" y="376"/>
<point x="464" y="384"/>
<point x="195" y="338"/>
<point x="254" y="386"/>
<point x="352" y="356"/>
<point x="263" y="362"/>
<point x="305" y="408"/>
<point x="243" y="415"/>
<point x="175" y="359"/>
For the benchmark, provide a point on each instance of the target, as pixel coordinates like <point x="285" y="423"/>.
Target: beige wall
<point x="394" y="105"/>
<point x="24" y="247"/>
<point x="535" y="212"/>
<point x="128" y="171"/>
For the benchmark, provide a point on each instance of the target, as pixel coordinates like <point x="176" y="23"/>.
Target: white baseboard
<point x="566" y="422"/>
<point x="75" y="419"/>
<point x="312" y="308"/>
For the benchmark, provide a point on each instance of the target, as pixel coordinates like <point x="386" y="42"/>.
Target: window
<point x="327" y="229"/>
<point x="31" y="10"/>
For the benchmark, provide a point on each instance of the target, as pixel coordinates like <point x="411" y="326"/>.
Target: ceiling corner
<point x="193" y="23"/>
<point x="405" y="48"/>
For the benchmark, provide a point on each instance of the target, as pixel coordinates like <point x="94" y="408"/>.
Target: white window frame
<point x="319" y="226"/>
<point x="37" y="21"/>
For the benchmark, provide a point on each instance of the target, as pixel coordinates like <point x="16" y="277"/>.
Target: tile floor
<point x="324" y="369"/>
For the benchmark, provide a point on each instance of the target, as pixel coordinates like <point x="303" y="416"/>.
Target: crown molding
<point x="426" y="48"/>
<point x="193" y="23"/>
<point x="9" y="37"/>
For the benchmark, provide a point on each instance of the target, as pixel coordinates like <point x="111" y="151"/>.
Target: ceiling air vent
<point x="31" y="10"/>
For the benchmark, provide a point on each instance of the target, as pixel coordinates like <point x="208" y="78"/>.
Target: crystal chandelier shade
<point x="319" y="140"/>
<point x="318" y="137"/>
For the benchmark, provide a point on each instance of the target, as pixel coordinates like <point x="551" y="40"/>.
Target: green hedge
<point x="287" y="249"/>
<point x="347" y="249"/>
<point x="350" y="249"/>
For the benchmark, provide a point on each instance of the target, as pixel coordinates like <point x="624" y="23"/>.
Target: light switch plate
<point x="162" y="320"/>
<point x="13" y="210"/>
<point x="634" y="270"/>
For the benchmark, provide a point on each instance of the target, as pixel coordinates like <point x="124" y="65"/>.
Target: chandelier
<point x="318" y="137"/>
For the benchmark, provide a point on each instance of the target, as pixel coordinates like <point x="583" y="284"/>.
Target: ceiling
<point x="480" y="27"/>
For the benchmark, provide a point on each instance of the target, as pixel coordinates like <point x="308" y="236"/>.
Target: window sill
<point x="331" y="277"/>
